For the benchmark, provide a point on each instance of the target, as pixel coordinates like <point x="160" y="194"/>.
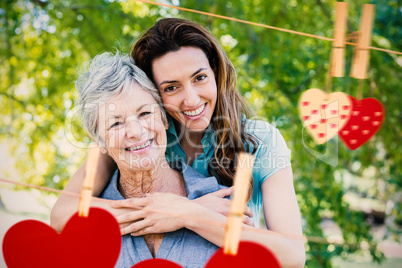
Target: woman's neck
<point x="190" y="141"/>
<point x="188" y="136"/>
<point x="162" y="178"/>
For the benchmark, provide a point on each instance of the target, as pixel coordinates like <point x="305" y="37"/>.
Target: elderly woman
<point x="121" y="110"/>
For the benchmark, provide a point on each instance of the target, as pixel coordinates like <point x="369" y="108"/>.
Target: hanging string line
<point x="261" y="25"/>
<point x="42" y="188"/>
<point x="220" y="224"/>
<point x="309" y="238"/>
<point x="314" y="239"/>
<point x="359" y="92"/>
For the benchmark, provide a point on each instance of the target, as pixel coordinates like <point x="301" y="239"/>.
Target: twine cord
<point x="263" y="25"/>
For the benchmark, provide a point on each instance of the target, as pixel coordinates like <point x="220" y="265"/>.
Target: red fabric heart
<point x="94" y="241"/>
<point x="156" y="263"/>
<point x="249" y="255"/>
<point x="366" y="119"/>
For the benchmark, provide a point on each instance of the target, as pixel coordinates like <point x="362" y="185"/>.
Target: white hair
<point x="106" y="76"/>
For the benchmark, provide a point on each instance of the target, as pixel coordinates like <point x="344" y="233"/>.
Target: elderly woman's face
<point x="131" y="126"/>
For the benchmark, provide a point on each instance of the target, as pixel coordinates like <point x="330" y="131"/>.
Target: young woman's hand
<point x="155" y="213"/>
<point x="166" y="212"/>
<point x="217" y="202"/>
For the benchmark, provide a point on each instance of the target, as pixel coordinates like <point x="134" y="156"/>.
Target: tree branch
<point x="297" y="88"/>
<point x="13" y="98"/>
<point x="328" y="15"/>
<point x="40" y="3"/>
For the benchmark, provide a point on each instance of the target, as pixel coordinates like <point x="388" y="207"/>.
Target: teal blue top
<point x="271" y="155"/>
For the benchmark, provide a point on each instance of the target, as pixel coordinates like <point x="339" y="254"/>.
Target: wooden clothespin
<point x="243" y="175"/>
<point x="337" y="66"/>
<point x="361" y="58"/>
<point x="89" y="180"/>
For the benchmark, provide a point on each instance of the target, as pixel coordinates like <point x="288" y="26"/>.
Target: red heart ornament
<point x="366" y="119"/>
<point x="156" y="263"/>
<point x="94" y="241"/>
<point x="249" y="255"/>
<point x="323" y="114"/>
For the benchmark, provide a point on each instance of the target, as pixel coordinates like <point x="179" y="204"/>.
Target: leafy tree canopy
<point x="43" y="43"/>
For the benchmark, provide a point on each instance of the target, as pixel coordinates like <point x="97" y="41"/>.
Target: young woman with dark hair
<point x="207" y="129"/>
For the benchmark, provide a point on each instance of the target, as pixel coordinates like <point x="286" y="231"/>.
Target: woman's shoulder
<point x="111" y="191"/>
<point x="195" y="183"/>
<point x="260" y="129"/>
<point x="272" y="153"/>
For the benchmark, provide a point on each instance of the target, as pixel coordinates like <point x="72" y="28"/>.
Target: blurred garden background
<point x="350" y="200"/>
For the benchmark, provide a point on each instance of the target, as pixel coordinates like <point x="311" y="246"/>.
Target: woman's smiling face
<point x="187" y="85"/>
<point x="132" y="128"/>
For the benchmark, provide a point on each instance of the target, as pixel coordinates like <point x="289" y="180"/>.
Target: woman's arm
<point x="282" y="215"/>
<point x="128" y="212"/>
<point x="66" y="205"/>
<point x="158" y="212"/>
<point x="164" y="212"/>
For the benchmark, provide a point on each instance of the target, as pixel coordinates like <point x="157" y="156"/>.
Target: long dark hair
<point x="169" y="35"/>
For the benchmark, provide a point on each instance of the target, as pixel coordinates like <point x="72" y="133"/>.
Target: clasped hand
<point x="166" y="212"/>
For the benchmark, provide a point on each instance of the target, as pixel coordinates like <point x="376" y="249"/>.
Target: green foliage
<point x="43" y="43"/>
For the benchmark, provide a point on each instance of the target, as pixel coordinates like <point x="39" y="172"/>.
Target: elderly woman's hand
<point x="166" y="212"/>
<point x="155" y="213"/>
<point x="217" y="202"/>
